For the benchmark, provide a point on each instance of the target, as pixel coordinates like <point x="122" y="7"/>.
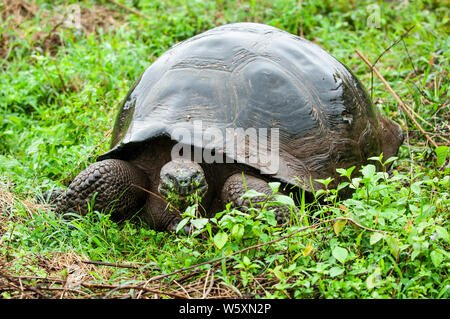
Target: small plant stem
<point x="368" y="195"/>
<point x="157" y="196"/>
<point x="102" y="263"/>
<point x="400" y="102"/>
<point x="116" y="287"/>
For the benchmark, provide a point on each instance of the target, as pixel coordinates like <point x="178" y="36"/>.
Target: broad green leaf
<point x="320" y="192"/>
<point x="283" y="199"/>
<point x="345" y="172"/>
<point x="181" y="224"/>
<point x="336" y="271"/>
<point x="374" y="279"/>
<point x="199" y="223"/>
<point x="237" y="231"/>
<point x="297" y="255"/>
<point x="342" y="185"/>
<point x="191" y="210"/>
<point x="393" y="245"/>
<point x="252" y="193"/>
<point x="270" y="217"/>
<point x="274" y="186"/>
<point x="441" y="154"/>
<point x="339" y="226"/>
<point x="390" y="159"/>
<point x="368" y="170"/>
<point x="220" y="239"/>
<point x="324" y="181"/>
<point x="340" y="254"/>
<point x="415" y="188"/>
<point x="377" y="158"/>
<point x="375" y="237"/>
<point x="307" y="249"/>
<point x="246" y="261"/>
<point x="355" y="182"/>
<point x="442" y="232"/>
<point x="358" y="239"/>
<point x="278" y="272"/>
<point x="436" y="257"/>
<point x="415" y="253"/>
<point x="14" y="119"/>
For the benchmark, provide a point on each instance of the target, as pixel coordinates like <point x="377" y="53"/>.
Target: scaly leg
<point x="233" y="189"/>
<point x="111" y="181"/>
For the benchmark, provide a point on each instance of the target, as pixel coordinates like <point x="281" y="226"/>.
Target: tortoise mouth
<point x="171" y="191"/>
<point x="181" y="182"/>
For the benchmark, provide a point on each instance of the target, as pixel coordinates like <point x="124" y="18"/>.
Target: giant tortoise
<point x="228" y="110"/>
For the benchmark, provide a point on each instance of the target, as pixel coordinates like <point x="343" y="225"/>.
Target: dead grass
<point x="68" y="276"/>
<point x="55" y="275"/>
<point x="8" y="201"/>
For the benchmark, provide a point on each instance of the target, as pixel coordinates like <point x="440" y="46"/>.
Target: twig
<point x="83" y="284"/>
<point x="382" y="53"/>
<point x="210" y="285"/>
<point x="14" y="283"/>
<point x="206" y="282"/>
<point x="394" y="43"/>
<point x="417" y="87"/>
<point x="115" y="287"/>
<point x="64" y="289"/>
<point x="186" y="277"/>
<point x="46" y="279"/>
<point x="182" y="288"/>
<point x="102" y="263"/>
<point x="402" y="105"/>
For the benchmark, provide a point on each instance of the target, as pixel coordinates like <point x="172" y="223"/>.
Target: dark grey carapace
<point x="242" y="76"/>
<point x="246" y="75"/>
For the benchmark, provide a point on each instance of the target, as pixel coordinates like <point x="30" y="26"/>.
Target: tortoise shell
<point x="248" y="75"/>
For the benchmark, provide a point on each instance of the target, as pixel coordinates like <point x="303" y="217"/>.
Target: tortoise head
<point x="391" y="137"/>
<point x="180" y="181"/>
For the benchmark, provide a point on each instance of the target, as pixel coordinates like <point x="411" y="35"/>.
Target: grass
<point x="60" y="89"/>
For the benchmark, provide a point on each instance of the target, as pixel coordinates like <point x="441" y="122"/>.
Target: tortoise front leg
<point x="111" y="181"/>
<point x="234" y="188"/>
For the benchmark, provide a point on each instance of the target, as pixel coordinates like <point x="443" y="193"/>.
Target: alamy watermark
<point x="254" y="146"/>
<point x="374" y="18"/>
<point x="69" y="16"/>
